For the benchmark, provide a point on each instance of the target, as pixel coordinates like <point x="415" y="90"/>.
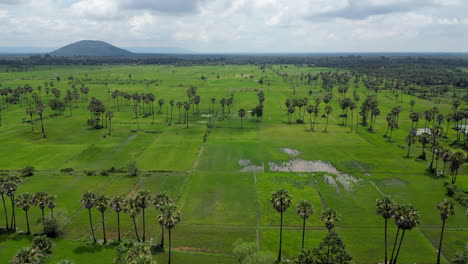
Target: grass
<point x="199" y="166"/>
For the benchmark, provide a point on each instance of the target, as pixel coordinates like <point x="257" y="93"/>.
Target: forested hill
<point x="91" y="48"/>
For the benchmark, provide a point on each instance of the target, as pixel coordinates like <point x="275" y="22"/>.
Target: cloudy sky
<point x="241" y="25"/>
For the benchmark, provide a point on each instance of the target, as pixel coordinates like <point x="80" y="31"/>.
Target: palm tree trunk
<point x="440" y="242"/>
<point x="394" y="245"/>
<point x="6" y="211"/>
<point x="385" y="241"/>
<point x="13" y="216"/>
<point x="136" y="230"/>
<point x="169" y="259"/>
<point x="162" y="236"/>
<point x="326" y="126"/>
<point x="144" y="226"/>
<point x="118" y="225"/>
<point x="399" y="247"/>
<point x="281" y="237"/>
<point x="42" y="126"/>
<point x="91" y="224"/>
<point x="103" y="227"/>
<point x="303" y="231"/>
<point x="27" y="221"/>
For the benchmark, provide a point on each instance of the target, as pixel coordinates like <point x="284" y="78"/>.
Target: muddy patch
<point x="248" y="166"/>
<point x="205" y="115"/>
<point x="291" y="152"/>
<point x="333" y="176"/>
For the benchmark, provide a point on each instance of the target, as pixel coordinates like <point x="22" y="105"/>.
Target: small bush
<point x="66" y="171"/>
<point x="43" y="243"/>
<point x="51" y="227"/>
<point x="132" y="169"/>
<point x="28" y="171"/>
<point x="90" y="173"/>
<point x="104" y="173"/>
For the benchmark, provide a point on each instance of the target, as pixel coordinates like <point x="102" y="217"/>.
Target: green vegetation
<point x="219" y="142"/>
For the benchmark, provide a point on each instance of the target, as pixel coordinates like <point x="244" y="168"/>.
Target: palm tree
<point x="102" y="203"/>
<point x="11" y="187"/>
<point x="171" y="103"/>
<point x="456" y="161"/>
<point x="241" y="114"/>
<point x="187" y="108"/>
<point x="304" y="209"/>
<point x="135" y="110"/>
<point x="160" y="201"/>
<point x="171" y="217"/>
<point x="51" y="204"/>
<point x="143" y="199"/>
<point x="328" y="110"/>
<point x="410" y="140"/>
<point x="446" y="209"/>
<point x="3" y="191"/>
<point x="131" y="208"/>
<point x="27" y="255"/>
<point x="329" y="216"/>
<point x="117" y="203"/>
<point x="88" y="199"/>
<point x="281" y="200"/>
<point x="24" y="201"/>
<point x="213" y="101"/>
<point x="406" y="218"/>
<point x="40" y="200"/>
<point x="385" y="207"/>
<point x="109" y="116"/>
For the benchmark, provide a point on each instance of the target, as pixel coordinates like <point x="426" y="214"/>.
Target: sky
<point x="218" y="26"/>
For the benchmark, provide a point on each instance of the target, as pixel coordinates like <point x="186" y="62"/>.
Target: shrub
<point x="104" y="173"/>
<point x="28" y="171"/>
<point x="66" y="171"/>
<point x="90" y="173"/>
<point x="51" y="227"/>
<point x="43" y="243"/>
<point x="132" y="169"/>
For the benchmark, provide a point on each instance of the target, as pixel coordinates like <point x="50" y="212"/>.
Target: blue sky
<point x="241" y="25"/>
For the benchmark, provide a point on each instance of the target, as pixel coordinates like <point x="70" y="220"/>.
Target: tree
<point x="50" y="200"/>
<point x="241" y="114"/>
<point x="136" y="110"/>
<point x="161" y="103"/>
<point x="27" y="256"/>
<point x="385" y="207"/>
<point x="406" y="218"/>
<point x="424" y="138"/>
<point x="281" y="200"/>
<point x="446" y="209"/>
<point x="410" y="140"/>
<point x="171" y="103"/>
<point x="187" y="108"/>
<point x="143" y="199"/>
<point x="24" y="201"/>
<point x="329" y="216"/>
<point x="40" y="200"/>
<point x="331" y="250"/>
<point x="88" y="199"/>
<point x="3" y="191"/>
<point x="102" y="203"/>
<point x="457" y="160"/>
<point x="131" y="208"/>
<point x="40" y="112"/>
<point x="117" y="203"/>
<point x="134" y="253"/>
<point x="304" y="209"/>
<point x="171" y="217"/>
<point x="43" y="244"/>
<point x="160" y="201"/>
<point x="30" y="112"/>
<point x="412" y="103"/>
<point x="10" y="187"/>
<point x="109" y="116"/>
<point x="328" y="110"/>
<point x="291" y="110"/>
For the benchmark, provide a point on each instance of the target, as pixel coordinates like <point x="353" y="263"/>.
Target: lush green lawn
<point x="199" y="167"/>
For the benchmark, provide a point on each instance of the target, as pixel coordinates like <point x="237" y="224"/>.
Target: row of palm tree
<point x="282" y="200"/>
<point x="406" y="218"/>
<point x="169" y="214"/>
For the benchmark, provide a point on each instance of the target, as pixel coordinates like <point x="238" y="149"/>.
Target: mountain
<point x="93" y="48"/>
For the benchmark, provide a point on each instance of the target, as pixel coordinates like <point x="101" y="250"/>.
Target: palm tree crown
<point x="281" y="200"/>
<point x="330" y="217"/>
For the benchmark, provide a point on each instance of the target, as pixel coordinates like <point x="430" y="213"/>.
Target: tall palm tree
<point x="410" y="140"/>
<point x="457" y="159"/>
<point x="88" y="199"/>
<point x="131" y="208"/>
<point x="241" y="114"/>
<point x="171" y="216"/>
<point x="406" y="218"/>
<point x="143" y="200"/>
<point x="24" y="201"/>
<point x="328" y="110"/>
<point x="385" y="207"/>
<point x="329" y="216"/>
<point x="160" y="201"/>
<point x="117" y="203"/>
<point x="51" y="204"/>
<point x="102" y="203"/>
<point x="304" y="209"/>
<point x="2" y="193"/>
<point x="281" y="200"/>
<point x="11" y="187"/>
<point x="110" y="115"/>
<point x="40" y="200"/>
<point x="213" y="101"/>
<point x="446" y="209"/>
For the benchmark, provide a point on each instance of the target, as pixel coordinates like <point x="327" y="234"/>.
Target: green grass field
<point x="199" y="166"/>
